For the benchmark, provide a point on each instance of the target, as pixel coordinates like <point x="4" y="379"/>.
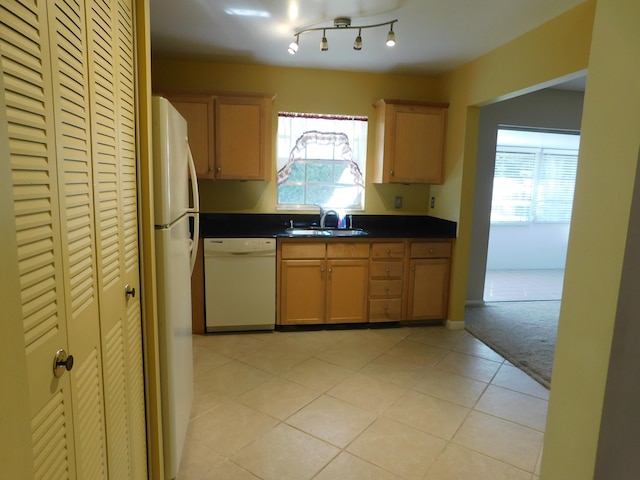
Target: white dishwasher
<point x="240" y="284"/>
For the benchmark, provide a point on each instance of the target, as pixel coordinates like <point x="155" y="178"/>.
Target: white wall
<point x="537" y="245"/>
<point x="549" y="108"/>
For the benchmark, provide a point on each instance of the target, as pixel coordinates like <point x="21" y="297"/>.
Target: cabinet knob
<point x="386" y="307"/>
<point x="386" y="289"/>
<point x="129" y="291"/>
<point x="387" y="269"/>
<point x="392" y="173"/>
<point x="431" y="250"/>
<point x="218" y="169"/>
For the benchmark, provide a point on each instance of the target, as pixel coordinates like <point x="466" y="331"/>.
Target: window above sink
<point x="321" y="161"/>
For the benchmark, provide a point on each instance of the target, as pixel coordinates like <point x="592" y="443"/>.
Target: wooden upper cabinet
<point x="198" y="112"/>
<point x="243" y="137"/>
<point x="410" y="139"/>
<point x="230" y="135"/>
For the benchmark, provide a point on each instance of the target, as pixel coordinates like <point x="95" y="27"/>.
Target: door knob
<point x="61" y="363"/>
<point x="129" y="291"/>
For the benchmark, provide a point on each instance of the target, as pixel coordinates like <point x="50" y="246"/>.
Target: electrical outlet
<point x="398" y="202"/>
<point x="433" y="202"/>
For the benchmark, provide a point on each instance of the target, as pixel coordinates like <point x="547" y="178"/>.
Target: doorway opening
<point x="531" y="204"/>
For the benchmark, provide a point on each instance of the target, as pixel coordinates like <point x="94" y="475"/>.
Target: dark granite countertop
<point x="227" y="225"/>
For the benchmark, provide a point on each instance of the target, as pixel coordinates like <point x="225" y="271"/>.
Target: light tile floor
<point x="523" y="285"/>
<point x="422" y="403"/>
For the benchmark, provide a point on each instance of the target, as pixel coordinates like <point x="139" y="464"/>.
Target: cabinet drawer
<point x="385" y="310"/>
<point x="303" y="250"/>
<point x="431" y="250"/>
<point x="385" y="288"/>
<point x="386" y="269"/>
<point x="387" y="250"/>
<point x="347" y="250"/>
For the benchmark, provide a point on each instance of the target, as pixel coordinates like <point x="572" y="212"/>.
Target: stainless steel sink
<point x="325" y="232"/>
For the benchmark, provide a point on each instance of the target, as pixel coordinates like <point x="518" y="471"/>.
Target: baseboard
<point x="454" y="325"/>
<point x="474" y="303"/>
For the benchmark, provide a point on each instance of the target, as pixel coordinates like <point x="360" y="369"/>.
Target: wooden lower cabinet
<point x="362" y="281"/>
<point x="323" y="283"/>
<point x="302" y="292"/>
<point x="428" y="289"/>
<point x="346" y="299"/>
<point x="386" y="272"/>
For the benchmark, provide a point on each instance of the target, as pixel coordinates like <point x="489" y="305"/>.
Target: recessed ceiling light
<point x="244" y="12"/>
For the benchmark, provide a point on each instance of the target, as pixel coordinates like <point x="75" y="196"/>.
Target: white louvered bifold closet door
<point x="68" y="77"/>
<point x="112" y="105"/>
<point x="29" y="131"/>
<point x="126" y="110"/>
<point x="67" y="31"/>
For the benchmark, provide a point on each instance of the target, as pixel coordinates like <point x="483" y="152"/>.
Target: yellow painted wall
<point x="300" y="90"/>
<point x="610" y="144"/>
<point x="556" y="49"/>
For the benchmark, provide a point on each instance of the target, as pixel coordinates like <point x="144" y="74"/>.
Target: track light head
<point x="293" y="46"/>
<point x="391" y="37"/>
<point x="324" y="44"/>
<point x="357" y="45"/>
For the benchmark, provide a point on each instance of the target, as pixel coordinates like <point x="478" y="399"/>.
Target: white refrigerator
<point x="175" y="203"/>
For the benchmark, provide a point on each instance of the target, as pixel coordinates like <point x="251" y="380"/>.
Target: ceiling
<point x="433" y="36"/>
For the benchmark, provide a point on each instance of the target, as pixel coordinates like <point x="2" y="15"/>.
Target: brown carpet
<point x="522" y="332"/>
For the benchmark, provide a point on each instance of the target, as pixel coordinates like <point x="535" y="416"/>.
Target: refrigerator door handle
<point x="194" y="212"/>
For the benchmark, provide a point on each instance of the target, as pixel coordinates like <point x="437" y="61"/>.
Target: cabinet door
<point x="428" y="289"/>
<point x="198" y="112"/>
<point x="409" y="142"/>
<point x="302" y="292"/>
<point x="347" y="291"/>
<point x="243" y="137"/>
<point x="418" y="144"/>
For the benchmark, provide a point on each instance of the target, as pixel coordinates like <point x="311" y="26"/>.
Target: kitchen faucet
<point x="323" y="216"/>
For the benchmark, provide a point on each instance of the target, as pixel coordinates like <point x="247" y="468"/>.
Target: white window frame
<point x="329" y="142"/>
<point x="533" y="184"/>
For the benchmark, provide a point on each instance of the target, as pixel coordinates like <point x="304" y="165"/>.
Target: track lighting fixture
<point x="342" y="23"/>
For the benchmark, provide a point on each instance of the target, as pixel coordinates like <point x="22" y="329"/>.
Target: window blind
<point x="533" y="185"/>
